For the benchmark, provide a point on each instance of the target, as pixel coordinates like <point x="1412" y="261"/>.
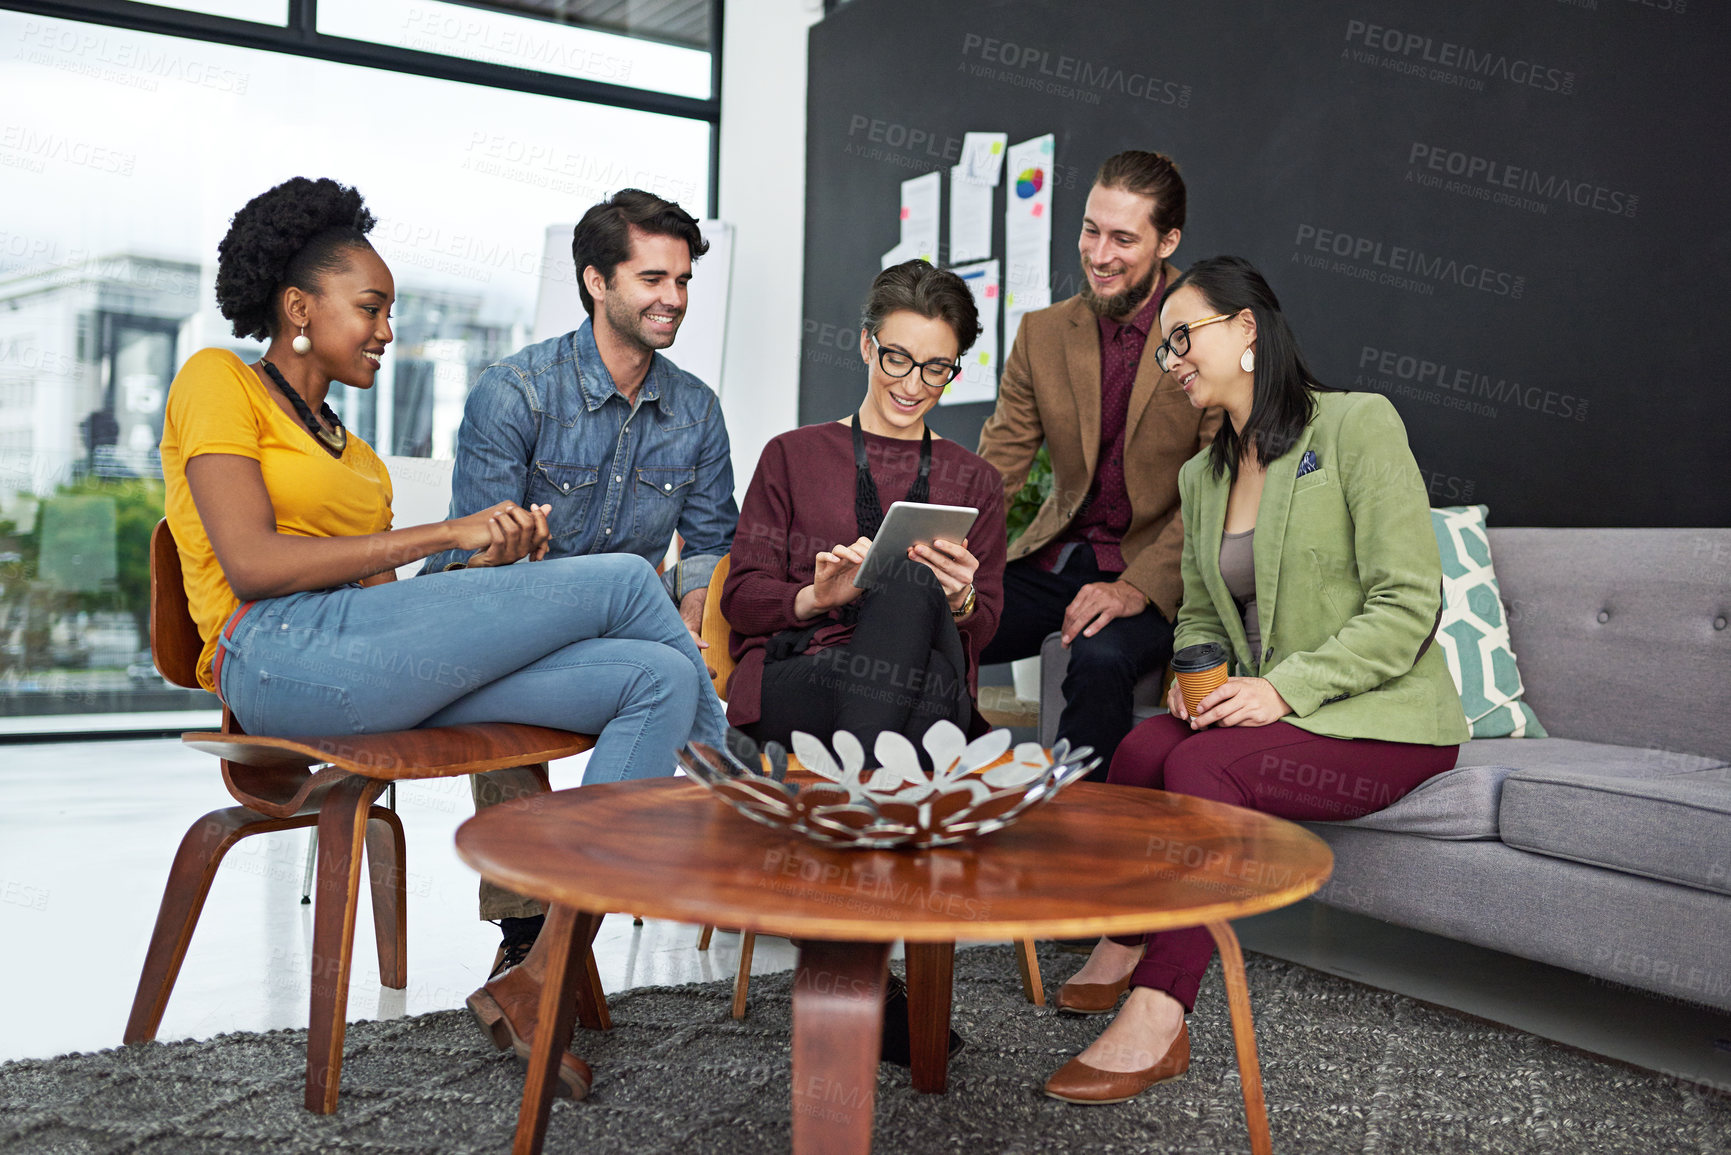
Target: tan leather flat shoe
<point x="507" y="1009"/>
<point x="1077" y="1082"/>
<point x="1091" y="998"/>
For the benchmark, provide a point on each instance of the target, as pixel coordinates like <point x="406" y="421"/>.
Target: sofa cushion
<point x="1474" y="632"/>
<point x="1661" y="815"/>
<point x="1463" y="803"/>
<point x="1456" y="804"/>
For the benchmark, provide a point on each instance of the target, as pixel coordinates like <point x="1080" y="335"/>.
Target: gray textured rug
<point x="1346" y="1069"/>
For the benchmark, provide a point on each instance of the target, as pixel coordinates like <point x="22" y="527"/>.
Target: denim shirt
<point x="545" y="426"/>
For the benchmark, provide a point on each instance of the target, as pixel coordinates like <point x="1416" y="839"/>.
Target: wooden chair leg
<point x="343" y="820"/>
<point x="1029" y="964"/>
<point x="704" y="937"/>
<point x="201" y="852"/>
<point x="591" y="999"/>
<point x="742" y="980"/>
<point x="387" y="870"/>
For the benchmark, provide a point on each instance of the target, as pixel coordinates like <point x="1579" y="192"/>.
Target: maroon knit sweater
<point x="801" y="501"/>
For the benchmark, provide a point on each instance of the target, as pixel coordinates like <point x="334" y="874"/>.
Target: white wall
<point x="762" y="178"/>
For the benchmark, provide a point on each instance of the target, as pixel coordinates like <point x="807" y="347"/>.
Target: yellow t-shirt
<point x="217" y="404"/>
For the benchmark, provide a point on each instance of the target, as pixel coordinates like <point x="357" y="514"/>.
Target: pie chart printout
<point x="1030" y="181"/>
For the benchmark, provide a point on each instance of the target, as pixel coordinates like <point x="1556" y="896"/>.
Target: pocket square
<point x="1307" y="463"/>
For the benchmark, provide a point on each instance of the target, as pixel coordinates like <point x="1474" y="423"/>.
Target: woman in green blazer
<point x="1309" y="556"/>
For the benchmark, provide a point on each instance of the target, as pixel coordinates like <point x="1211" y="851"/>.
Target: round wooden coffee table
<point x="1096" y="860"/>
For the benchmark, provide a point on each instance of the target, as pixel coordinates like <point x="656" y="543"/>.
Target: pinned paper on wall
<point x="970" y="218"/>
<point x="920" y="199"/>
<point x="983" y="156"/>
<point x="1017" y="305"/>
<point x="1027" y="231"/>
<point x="979" y="377"/>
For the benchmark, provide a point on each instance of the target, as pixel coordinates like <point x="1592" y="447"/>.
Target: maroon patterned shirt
<point x="1105" y="514"/>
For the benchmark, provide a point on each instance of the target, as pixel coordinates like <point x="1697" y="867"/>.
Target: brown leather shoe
<point x="507" y="1009"/>
<point x="1077" y="1082"/>
<point x="1091" y="998"/>
<point x="1094" y="998"/>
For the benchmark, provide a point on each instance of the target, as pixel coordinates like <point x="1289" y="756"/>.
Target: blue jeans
<point x="590" y="644"/>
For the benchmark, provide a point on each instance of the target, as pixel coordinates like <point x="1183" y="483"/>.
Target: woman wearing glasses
<point x="815" y="653"/>
<point x="1309" y="556"/>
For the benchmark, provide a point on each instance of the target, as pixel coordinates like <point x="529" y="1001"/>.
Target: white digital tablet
<point x="910" y="523"/>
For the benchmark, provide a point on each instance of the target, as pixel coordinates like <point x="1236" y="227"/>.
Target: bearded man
<point x="1100" y="561"/>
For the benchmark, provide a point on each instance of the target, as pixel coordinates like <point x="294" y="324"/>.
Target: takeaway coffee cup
<point x="1200" y="670"/>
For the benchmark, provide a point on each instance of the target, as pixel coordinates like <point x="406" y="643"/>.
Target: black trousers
<point x="1099" y="687"/>
<point x="898" y="672"/>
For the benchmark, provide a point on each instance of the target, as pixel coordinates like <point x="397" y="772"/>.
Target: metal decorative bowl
<point x="974" y="788"/>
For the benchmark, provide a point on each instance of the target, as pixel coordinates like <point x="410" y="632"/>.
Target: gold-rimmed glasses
<point x="1178" y="343"/>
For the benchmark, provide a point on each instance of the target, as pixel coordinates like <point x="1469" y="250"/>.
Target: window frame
<point x="301" y="37"/>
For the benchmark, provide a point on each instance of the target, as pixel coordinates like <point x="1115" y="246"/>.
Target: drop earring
<point x="302" y="344"/>
<point x="1248" y="361"/>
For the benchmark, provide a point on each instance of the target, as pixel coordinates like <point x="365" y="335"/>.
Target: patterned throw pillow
<point x="1474" y="633"/>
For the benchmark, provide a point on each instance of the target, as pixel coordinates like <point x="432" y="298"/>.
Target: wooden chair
<point x="328" y="782"/>
<point x="717" y="632"/>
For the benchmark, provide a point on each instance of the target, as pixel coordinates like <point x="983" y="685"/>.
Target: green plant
<point x="1033" y="494"/>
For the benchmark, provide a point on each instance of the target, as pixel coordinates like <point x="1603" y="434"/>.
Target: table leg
<point x="568" y="933"/>
<point x="931" y="973"/>
<point x="838" y="998"/>
<point x="1243" y="1037"/>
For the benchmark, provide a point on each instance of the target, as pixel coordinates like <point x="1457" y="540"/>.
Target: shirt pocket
<point x="660" y="495"/>
<point x="567" y="488"/>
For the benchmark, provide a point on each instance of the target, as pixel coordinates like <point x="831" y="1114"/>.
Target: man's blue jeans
<point x="590" y="644"/>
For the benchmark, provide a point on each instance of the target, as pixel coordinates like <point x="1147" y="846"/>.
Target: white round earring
<point x="302" y="344"/>
<point x="1248" y="361"/>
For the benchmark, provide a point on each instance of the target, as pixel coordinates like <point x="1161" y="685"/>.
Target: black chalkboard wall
<point x="1508" y="216"/>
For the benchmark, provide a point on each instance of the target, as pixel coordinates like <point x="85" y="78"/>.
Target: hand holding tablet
<point x="909" y="524"/>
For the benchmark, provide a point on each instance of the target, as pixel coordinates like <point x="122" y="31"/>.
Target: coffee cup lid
<point x="1201" y="657"/>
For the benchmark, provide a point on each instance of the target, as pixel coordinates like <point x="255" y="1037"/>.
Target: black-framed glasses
<point x="1178" y="343"/>
<point x="934" y="374"/>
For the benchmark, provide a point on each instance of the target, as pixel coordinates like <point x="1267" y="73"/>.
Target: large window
<point x="123" y="154"/>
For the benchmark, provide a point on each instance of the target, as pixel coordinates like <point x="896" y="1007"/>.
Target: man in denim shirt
<point x="622" y="444"/>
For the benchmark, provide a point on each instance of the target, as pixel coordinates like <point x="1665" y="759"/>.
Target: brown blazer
<point x="1050" y="392"/>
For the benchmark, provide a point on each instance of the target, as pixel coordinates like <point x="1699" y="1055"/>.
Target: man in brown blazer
<point x="1100" y="560"/>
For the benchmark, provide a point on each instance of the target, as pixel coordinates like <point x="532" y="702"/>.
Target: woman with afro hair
<point x="280" y="515"/>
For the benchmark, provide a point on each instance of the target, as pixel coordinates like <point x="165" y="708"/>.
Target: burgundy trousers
<point x="1278" y="769"/>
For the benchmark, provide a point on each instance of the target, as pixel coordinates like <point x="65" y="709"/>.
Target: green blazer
<point x="1348" y="580"/>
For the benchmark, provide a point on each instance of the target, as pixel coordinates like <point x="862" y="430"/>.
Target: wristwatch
<point x="967" y="605"/>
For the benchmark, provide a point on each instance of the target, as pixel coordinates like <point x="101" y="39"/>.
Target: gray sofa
<point x="1605" y="848"/>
